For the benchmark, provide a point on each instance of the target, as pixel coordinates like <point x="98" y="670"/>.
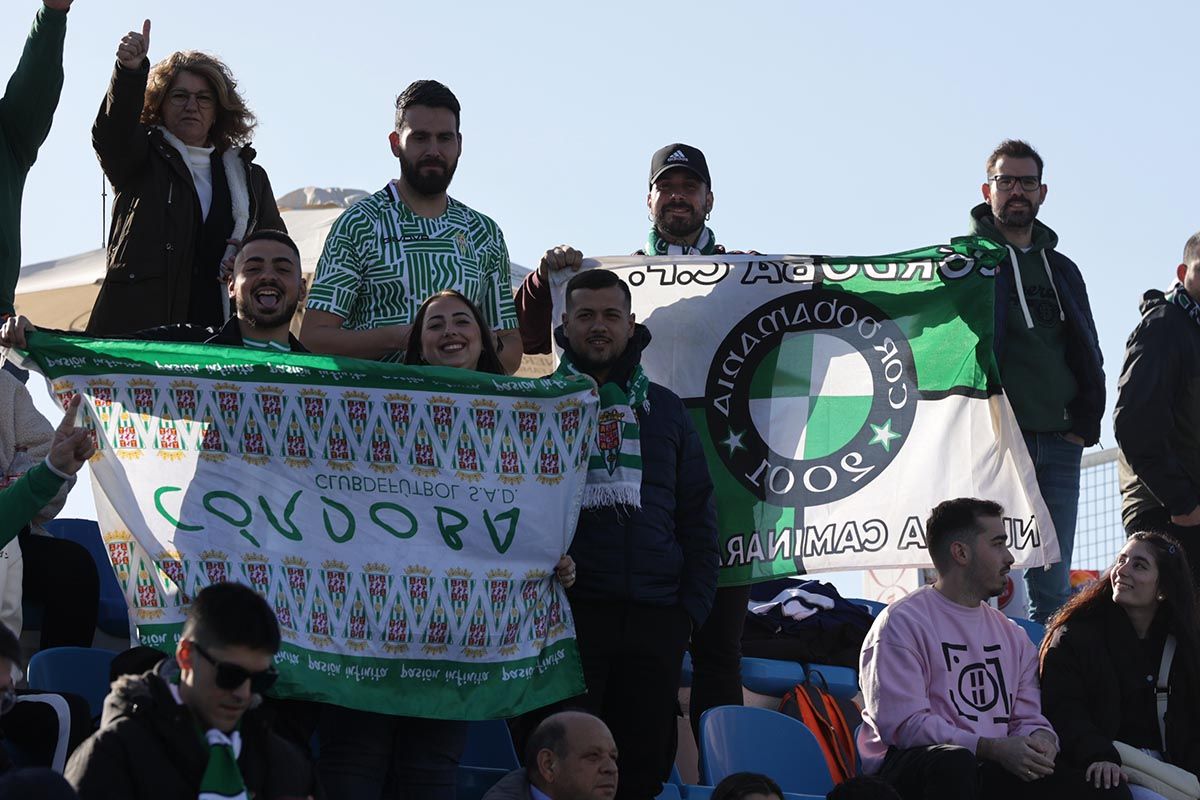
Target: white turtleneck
<point x="200" y="165"/>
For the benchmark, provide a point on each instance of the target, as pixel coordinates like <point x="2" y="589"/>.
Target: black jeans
<point x="368" y="756"/>
<point x="717" y="655"/>
<point x="632" y="656"/>
<point x="944" y="771"/>
<point x="1160" y="520"/>
<point x="61" y="575"/>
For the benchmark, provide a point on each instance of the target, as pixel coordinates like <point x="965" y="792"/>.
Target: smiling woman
<point x="173" y="141"/>
<point x="1106" y="650"/>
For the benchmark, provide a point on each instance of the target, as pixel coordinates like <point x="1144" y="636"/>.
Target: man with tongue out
<point x="266" y="288"/>
<point x="1047" y="349"/>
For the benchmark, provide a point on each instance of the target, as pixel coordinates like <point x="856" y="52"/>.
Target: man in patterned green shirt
<point x="388" y="252"/>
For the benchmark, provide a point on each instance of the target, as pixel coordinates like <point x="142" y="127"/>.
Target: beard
<point x="1020" y="217"/>
<point x="429" y="184"/>
<point x="679" y="227"/>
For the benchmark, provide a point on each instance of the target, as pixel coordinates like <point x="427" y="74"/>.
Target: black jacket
<point x="150" y="747"/>
<point x="1157" y="417"/>
<point x="1098" y="685"/>
<point x="664" y="553"/>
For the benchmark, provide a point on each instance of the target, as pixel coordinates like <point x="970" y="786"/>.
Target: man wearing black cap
<point x="680" y="200"/>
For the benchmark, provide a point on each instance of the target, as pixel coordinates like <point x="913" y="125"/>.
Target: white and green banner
<point x="838" y="400"/>
<point x="404" y="523"/>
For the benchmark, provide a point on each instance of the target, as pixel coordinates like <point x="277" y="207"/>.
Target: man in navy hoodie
<point x="1046" y="347"/>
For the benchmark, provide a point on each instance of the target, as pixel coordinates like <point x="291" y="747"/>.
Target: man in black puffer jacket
<point x="646" y="542"/>
<point x="184" y="729"/>
<point x="1157" y="418"/>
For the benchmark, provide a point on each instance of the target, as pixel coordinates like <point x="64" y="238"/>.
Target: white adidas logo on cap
<point x="677" y="156"/>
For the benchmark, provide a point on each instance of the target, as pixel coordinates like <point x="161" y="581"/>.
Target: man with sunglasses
<point x="186" y="729"/>
<point x="1046" y="347"/>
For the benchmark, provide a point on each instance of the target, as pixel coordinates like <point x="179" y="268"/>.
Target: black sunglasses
<point x="232" y="676"/>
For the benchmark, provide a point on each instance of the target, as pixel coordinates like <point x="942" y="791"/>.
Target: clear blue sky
<point x="852" y="128"/>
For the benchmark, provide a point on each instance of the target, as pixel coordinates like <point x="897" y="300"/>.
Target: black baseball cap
<point x="679" y="155"/>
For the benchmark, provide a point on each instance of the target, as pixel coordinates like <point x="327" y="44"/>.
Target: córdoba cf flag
<point x="839" y="400"/>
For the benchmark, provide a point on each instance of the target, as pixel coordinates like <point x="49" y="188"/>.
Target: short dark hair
<point x="1191" y="250"/>
<point x="230" y="615"/>
<point x="489" y="359"/>
<point x="272" y="235"/>
<point x="956" y="521"/>
<point x="427" y="93"/>
<point x="598" y="279"/>
<point x="863" y="787"/>
<point x="740" y="784"/>
<point x="1014" y="148"/>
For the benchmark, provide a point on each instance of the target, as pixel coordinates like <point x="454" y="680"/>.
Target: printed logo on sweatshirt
<point x="980" y="692"/>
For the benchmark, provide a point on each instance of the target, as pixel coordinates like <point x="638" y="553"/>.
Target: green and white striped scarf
<point x="706" y="245"/>
<point x="614" y="475"/>
<point x="222" y="778"/>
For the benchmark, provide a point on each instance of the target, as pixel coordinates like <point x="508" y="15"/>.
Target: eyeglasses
<point x="232" y="676"/>
<point x="1005" y="183"/>
<point x="179" y="97"/>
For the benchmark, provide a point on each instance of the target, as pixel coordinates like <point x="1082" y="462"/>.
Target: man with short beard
<point x="646" y="540"/>
<point x="266" y="288"/>
<point x="680" y="200"/>
<point x="951" y="706"/>
<point x="1047" y="349"/>
<point x="390" y="251"/>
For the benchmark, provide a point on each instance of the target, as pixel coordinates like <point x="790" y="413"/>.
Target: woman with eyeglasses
<point x="1103" y="656"/>
<point x="173" y="140"/>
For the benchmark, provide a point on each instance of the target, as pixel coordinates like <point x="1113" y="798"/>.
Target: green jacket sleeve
<point x="20" y="502"/>
<point x="27" y="108"/>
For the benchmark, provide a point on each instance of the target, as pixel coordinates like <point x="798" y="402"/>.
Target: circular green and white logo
<point x="810" y="397"/>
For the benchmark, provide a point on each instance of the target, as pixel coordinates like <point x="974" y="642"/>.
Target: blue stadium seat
<point x="841" y="681"/>
<point x="747" y="739"/>
<point x="1036" y="630"/>
<point x="490" y="745"/>
<point x="770" y="677"/>
<point x="670" y="791"/>
<point x="474" y="782"/>
<point x="114" y="611"/>
<point x="685" y="672"/>
<point x="82" y="670"/>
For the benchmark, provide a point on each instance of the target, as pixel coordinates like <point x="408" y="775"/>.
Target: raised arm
<point x="29" y="101"/>
<point x="117" y="134"/>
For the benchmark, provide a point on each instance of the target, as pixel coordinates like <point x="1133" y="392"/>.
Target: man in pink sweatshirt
<point x="953" y="708"/>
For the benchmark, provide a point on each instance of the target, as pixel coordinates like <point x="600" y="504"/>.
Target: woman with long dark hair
<point x="362" y="752"/>
<point x="1101" y="659"/>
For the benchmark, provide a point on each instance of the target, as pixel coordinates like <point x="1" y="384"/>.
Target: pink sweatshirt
<point x="935" y="672"/>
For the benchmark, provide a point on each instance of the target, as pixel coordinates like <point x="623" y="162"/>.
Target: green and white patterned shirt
<point x="381" y="261"/>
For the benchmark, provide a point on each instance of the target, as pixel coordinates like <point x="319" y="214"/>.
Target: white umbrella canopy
<point x="60" y="293"/>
